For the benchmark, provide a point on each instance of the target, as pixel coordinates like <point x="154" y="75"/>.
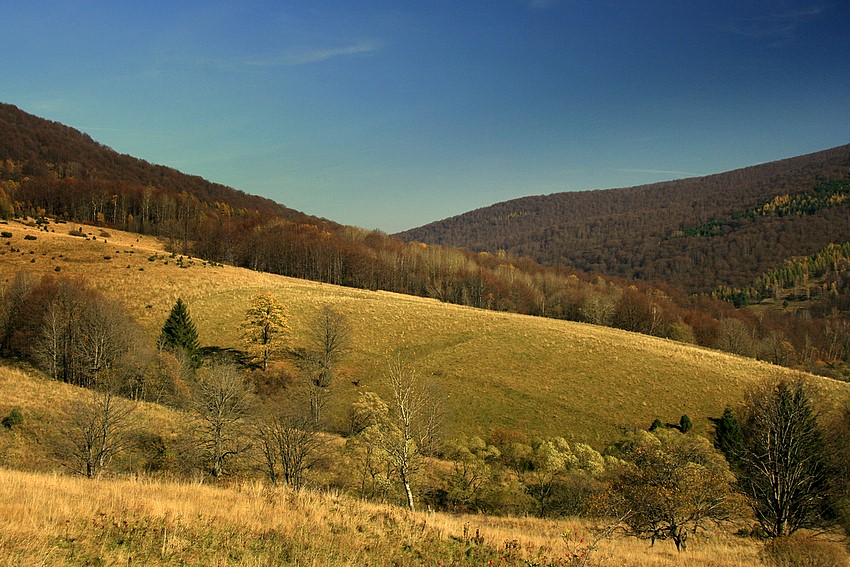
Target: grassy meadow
<point x="58" y="520"/>
<point x="542" y="376"/>
<point x="50" y="517"/>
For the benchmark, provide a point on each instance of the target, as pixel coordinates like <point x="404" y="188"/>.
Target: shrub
<point x="656" y="424"/>
<point x="5" y="234"/>
<point x="798" y="550"/>
<point x="30" y="237"/>
<point x="14" y="418"/>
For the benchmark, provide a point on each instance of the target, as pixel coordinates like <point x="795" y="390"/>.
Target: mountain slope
<point x="543" y="376"/>
<point x="638" y="232"/>
<point x="57" y="172"/>
<point x="33" y="149"/>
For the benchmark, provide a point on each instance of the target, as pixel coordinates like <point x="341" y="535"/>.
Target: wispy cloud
<point x="781" y="27"/>
<point x="300" y="57"/>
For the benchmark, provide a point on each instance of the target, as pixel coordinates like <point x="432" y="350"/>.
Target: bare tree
<point x="400" y="427"/>
<point x="224" y="404"/>
<point x="328" y="340"/>
<point x="81" y="333"/>
<point x="98" y="430"/>
<point x="734" y="336"/>
<point x="290" y="444"/>
<point x="105" y="337"/>
<point x="783" y="462"/>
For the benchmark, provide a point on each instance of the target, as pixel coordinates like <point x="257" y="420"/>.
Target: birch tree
<point x="401" y="426"/>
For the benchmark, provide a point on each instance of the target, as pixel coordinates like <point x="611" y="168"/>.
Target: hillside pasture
<point x="489" y="369"/>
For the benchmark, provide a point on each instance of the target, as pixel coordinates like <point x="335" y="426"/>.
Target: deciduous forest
<point x="48" y="169"/>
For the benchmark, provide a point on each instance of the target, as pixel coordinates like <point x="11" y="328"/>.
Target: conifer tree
<point x="179" y="332"/>
<point x="727" y="436"/>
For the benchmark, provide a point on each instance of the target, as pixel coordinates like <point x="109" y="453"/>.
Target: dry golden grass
<point x="58" y="520"/>
<point x="492" y="369"/>
<point x="55" y="519"/>
<point x="36" y="443"/>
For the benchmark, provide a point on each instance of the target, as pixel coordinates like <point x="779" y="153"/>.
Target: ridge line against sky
<point x="390" y="115"/>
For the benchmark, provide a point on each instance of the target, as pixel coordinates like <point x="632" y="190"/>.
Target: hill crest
<point x="627" y="232"/>
<point x="33" y="148"/>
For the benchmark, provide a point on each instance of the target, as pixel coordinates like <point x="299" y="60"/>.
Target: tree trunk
<point x="680" y="538"/>
<point x="407" y="491"/>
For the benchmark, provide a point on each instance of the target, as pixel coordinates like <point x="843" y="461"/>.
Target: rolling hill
<point x="51" y="170"/>
<point x="489" y="369"/>
<point x="543" y="376"/>
<point x="699" y="233"/>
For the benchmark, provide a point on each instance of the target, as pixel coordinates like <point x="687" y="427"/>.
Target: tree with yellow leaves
<point x="265" y="327"/>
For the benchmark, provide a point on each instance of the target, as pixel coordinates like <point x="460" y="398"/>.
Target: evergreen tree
<point x="727" y="436"/>
<point x="685" y="424"/>
<point x="179" y="332"/>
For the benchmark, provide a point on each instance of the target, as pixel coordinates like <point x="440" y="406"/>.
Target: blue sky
<point x="391" y="114"/>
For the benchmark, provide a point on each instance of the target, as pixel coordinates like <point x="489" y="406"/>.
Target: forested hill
<point x="700" y="233"/>
<point x="40" y="158"/>
<point x="51" y="174"/>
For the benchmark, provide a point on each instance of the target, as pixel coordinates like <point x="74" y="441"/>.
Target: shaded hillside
<point x="47" y="165"/>
<point x="652" y="232"/>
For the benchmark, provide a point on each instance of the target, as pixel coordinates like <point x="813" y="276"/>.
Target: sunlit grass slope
<point x="491" y="369"/>
<point x="58" y="520"/>
<point x="37" y="443"/>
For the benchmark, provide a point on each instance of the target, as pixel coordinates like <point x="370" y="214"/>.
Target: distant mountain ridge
<point x="631" y="232"/>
